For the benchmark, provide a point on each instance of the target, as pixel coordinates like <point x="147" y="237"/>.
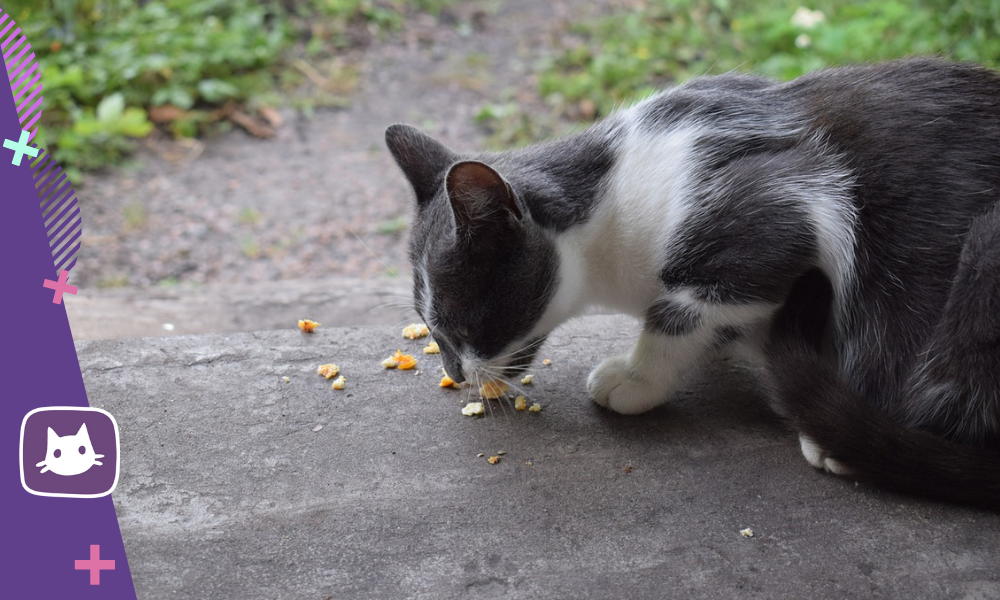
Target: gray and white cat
<point x="845" y="225"/>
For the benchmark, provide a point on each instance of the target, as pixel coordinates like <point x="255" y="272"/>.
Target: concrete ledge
<point x="229" y="491"/>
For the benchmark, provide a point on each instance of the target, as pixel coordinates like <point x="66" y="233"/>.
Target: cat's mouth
<point x="513" y="364"/>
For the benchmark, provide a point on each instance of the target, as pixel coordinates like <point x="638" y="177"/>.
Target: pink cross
<point x="95" y="564"/>
<point x="60" y="287"/>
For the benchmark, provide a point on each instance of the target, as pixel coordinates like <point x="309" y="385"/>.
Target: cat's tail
<point x="852" y="431"/>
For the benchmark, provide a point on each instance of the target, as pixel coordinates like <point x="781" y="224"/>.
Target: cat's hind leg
<point x="955" y="392"/>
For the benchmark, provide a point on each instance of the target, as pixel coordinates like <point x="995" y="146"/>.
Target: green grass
<point x="105" y="63"/>
<point x="629" y="54"/>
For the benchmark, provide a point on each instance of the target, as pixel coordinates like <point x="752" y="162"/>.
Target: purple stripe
<point x="32" y="122"/>
<point x="40" y="178"/>
<point x="57" y="205"/>
<point x="29" y="86"/>
<point x="27" y="61"/>
<point x="63" y="246"/>
<point x="9" y="25"/>
<point x="32" y="67"/>
<point x="51" y="193"/>
<point x="44" y="160"/>
<point x="55" y="199"/>
<point x="13" y="36"/>
<point x="72" y="225"/>
<point x="34" y="86"/>
<point x="72" y="264"/>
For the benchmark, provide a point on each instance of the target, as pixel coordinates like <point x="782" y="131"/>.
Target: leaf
<point x="111" y="108"/>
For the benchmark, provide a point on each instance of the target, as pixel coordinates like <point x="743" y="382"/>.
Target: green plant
<point x="106" y="63"/>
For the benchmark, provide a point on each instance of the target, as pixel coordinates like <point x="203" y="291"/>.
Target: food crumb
<point x="520" y="403"/>
<point x="746" y="532"/>
<point x="528" y="379"/>
<point x="536" y="407"/>
<point x="308" y="325"/>
<point x="415" y="330"/>
<point x="493" y="460"/>
<point x="501" y="452"/>
<point x="317" y="428"/>
<point x="400" y="361"/>
<point x="480" y="455"/>
<point x="473" y="409"/>
<point x="329" y="371"/>
<point x="339" y="383"/>
<point x="627" y="469"/>
<point x="449" y="382"/>
<point x="492" y="390"/>
<point x="432" y="348"/>
<point x="286" y="379"/>
<point x="547" y="362"/>
<point x="529" y="463"/>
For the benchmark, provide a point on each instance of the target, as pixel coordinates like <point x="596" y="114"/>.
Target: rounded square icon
<point x="69" y="452"/>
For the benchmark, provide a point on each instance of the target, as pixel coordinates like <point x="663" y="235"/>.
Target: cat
<point x="843" y="228"/>
<point x="70" y="454"/>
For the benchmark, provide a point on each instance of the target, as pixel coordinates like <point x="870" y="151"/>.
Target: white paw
<point x="613" y="385"/>
<point x="818" y="458"/>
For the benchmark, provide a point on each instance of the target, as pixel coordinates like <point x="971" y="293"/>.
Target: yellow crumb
<point x="746" y="532"/>
<point x="415" y="330"/>
<point x="528" y="379"/>
<point x="473" y="408"/>
<point x="432" y="348"/>
<point x="536" y="407"/>
<point x="491" y="390"/>
<point x="406" y="362"/>
<point x="493" y="460"/>
<point x="286" y="380"/>
<point x="449" y="382"/>
<point x="391" y="363"/>
<point x="329" y="371"/>
<point x="547" y="362"/>
<point x="339" y="383"/>
<point x="520" y="403"/>
<point x="307" y="325"/>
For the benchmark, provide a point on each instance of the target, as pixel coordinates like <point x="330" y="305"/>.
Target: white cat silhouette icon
<point x="69" y="454"/>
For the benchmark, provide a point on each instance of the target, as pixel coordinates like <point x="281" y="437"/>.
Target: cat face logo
<point x="69" y="454"/>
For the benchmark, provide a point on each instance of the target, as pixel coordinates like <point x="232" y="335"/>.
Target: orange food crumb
<point x="493" y="389"/>
<point x="308" y="325"/>
<point x="400" y="361"/>
<point x="329" y="371"/>
<point x="432" y="348"/>
<point x="449" y="382"/>
<point x="547" y="362"/>
<point x="493" y="460"/>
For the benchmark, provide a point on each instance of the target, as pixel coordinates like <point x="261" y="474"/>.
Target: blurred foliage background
<point x="113" y="70"/>
<point x="629" y="54"/>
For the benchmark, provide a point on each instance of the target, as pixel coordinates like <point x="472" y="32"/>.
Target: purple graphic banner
<point x="55" y="547"/>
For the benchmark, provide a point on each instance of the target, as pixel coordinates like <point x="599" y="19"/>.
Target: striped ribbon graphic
<point x="57" y="199"/>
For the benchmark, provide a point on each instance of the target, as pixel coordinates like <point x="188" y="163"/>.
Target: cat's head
<point x="70" y="454"/>
<point x="483" y="270"/>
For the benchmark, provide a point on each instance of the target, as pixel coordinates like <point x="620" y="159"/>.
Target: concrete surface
<point x="230" y="490"/>
<point x="141" y="312"/>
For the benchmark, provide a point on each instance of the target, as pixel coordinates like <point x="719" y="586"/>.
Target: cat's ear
<point x="479" y="195"/>
<point x="83" y="431"/>
<point x="52" y="436"/>
<point x="421" y="158"/>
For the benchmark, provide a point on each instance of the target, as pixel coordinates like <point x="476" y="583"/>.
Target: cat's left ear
<point x="83" y="431"/>
<point x="478" y="195"/>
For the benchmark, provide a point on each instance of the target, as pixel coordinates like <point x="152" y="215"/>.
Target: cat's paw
<point x="818" y="458"/>
<point x="613" y="385"/>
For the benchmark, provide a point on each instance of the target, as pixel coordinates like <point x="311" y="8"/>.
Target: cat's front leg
<point x="650" y="375"/>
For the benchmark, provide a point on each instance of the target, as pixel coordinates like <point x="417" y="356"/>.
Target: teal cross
<point x="20" y="148"/>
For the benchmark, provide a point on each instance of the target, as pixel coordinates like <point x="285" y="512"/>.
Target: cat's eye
<point x="83" y="450"/>
<point x="57" y="453"/>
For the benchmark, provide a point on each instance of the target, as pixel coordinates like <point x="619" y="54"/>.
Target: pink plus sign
<point x="95" y="565"/>
<point x="61" y="287"/>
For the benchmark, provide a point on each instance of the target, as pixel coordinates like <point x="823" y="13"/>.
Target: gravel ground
<point x="322" y="198"/>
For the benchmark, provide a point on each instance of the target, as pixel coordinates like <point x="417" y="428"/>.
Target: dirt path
<point x="247" y="210"/>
